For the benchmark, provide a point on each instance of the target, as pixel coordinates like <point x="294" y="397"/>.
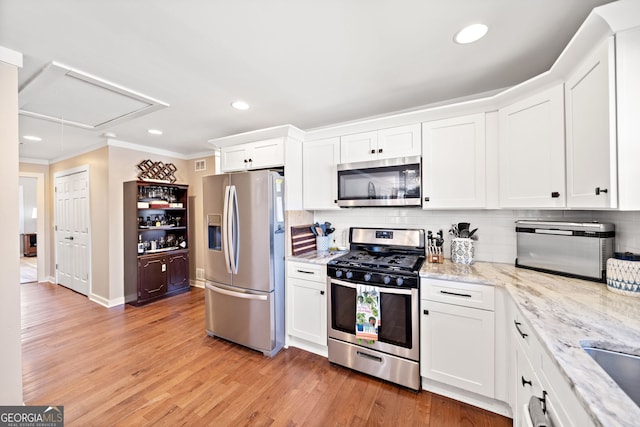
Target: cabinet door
<point x="319" y="175"/>
<point x="234" y="158"/>
<point x="453" y="163"/>
<point x="399" y="142"/>
<point x="457" y="346"/>
<point x="307" y="310"/>
<point x="152" y="277"/>
<point x="526" y="385"/>
<point x="531" y="151"/>
<point x="591" y="131"/>
<point x="266" y="154"/>
<point x="359" y="147"/>
<point x="178" y="271"/>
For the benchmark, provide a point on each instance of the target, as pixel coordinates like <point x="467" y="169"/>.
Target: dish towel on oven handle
<point x="367" y="312"/>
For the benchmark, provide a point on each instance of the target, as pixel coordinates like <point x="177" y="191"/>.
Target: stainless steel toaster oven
<point x="577" y="249"/>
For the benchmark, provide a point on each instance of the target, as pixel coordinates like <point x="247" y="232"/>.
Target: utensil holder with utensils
<point x="462" y="250"/>
<point x="323" y="243"/>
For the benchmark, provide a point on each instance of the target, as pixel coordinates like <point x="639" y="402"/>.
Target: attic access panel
<point x="65" y="95"/>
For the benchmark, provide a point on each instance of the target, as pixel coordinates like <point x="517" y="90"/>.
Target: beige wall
<point x="11" y="354"/>
<point x="197" y="228"/>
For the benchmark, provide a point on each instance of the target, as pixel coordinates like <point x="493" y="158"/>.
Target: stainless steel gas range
<point x="373" y="305"/>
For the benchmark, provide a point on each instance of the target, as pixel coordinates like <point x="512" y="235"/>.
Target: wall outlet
<point x="200" y="273"/>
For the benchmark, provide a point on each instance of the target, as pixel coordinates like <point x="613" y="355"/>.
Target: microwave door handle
<point x="225" y="229"/>
<point x="234" y="230"/>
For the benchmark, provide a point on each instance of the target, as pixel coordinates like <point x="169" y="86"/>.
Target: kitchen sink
<point x="623" y="368"/>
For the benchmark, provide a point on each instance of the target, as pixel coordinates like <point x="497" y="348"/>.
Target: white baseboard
<point x="51" y="279"/>
<point x="197" y="283"/>
<point x="106" y="302"/>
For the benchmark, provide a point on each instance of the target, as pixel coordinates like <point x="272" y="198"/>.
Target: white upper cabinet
<point x="382" y="144"/>
<point x="253" y="155"/>
<point x="319" y="175"/>
<point x="628" y="117"/>
<point x="531" y="151"/>
<point x="453" y="162"/>
<point x="591" y="130"/>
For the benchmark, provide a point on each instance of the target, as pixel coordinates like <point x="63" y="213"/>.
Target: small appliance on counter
<point x="576" y="249"/>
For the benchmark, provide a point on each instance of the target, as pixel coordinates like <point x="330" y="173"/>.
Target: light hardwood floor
<point x="155" y="365"/>
<point x="28" y="269"/>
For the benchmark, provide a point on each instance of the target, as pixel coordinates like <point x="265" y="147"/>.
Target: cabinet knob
<point x="425" y="312"/>
<point x="373" y="151"/>
<point x="246" y="161"/>
<point x="555" y="194"/>
<point x="250" y="160"/>
<point x="379" y="150"/>
<point x="335" y="201"/>
<point x="426" y="199"/>
<point x="601" y="190"/>
<point x="321" y="292"/>
<point x="526" y="382"/>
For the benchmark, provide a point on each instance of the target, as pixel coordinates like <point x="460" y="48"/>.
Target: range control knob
<point x="338" y="273"/>
<point x="367" y="277"/>
<point x="386" y="280"/>
<point x="349" y="275"/>
<point x="399" y="281"/>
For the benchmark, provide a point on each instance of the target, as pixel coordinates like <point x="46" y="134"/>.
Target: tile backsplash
<point x="496" y="229"/>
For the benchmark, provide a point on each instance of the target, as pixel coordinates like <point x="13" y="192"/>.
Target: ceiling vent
<point x="65" y="95"/>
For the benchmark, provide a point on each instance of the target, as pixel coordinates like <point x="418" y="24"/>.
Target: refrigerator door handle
<point x="234" y="294"/>
<point x="234" y="230"/>
<point x="225" y="229"/>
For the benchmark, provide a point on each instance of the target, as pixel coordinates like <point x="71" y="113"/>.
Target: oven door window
<point x="395" y="319"/>
<point x="343" y="308"/>
<point x="395" y="314"/>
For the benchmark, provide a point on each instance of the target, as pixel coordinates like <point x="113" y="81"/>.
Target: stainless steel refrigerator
<point x="244" y="263"/>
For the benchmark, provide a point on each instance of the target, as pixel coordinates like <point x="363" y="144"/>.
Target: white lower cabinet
<point x="536" y="374"/>
<point x="307" y="306"/>
<point x="457" y="341"/>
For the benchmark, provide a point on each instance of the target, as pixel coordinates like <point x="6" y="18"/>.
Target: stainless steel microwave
<point x="388" y="182"/>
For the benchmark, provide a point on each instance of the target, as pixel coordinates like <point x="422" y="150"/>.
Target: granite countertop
<point x="317" y="257"/>
<point x="564" y="313"/>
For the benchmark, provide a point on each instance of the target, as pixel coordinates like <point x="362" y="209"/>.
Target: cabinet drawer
<point x="459" y="293"/>
<point x="307" y="271"/>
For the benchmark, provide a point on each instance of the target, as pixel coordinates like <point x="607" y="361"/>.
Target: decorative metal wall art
<point x="157" y="171"/>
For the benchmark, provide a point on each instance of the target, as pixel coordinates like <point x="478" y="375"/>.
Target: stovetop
<point x="379" y="262"/>
<point x="382" y="257"/>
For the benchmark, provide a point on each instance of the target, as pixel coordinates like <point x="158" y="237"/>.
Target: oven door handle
<point x="381" y="289"/>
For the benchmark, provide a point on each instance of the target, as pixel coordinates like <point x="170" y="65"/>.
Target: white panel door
<point x="453" y="163"/>
<point x="72" y="231"/>
<point x="531" y="151"/>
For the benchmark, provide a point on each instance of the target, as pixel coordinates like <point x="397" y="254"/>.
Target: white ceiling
<point x="308" y="63"/>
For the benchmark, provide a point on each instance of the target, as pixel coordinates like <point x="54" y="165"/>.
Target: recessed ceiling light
<point x="471" y="33"/>
<point x="32" y="138"/>
<point x="155" y="131"/>
<point x="240" y="105"/>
